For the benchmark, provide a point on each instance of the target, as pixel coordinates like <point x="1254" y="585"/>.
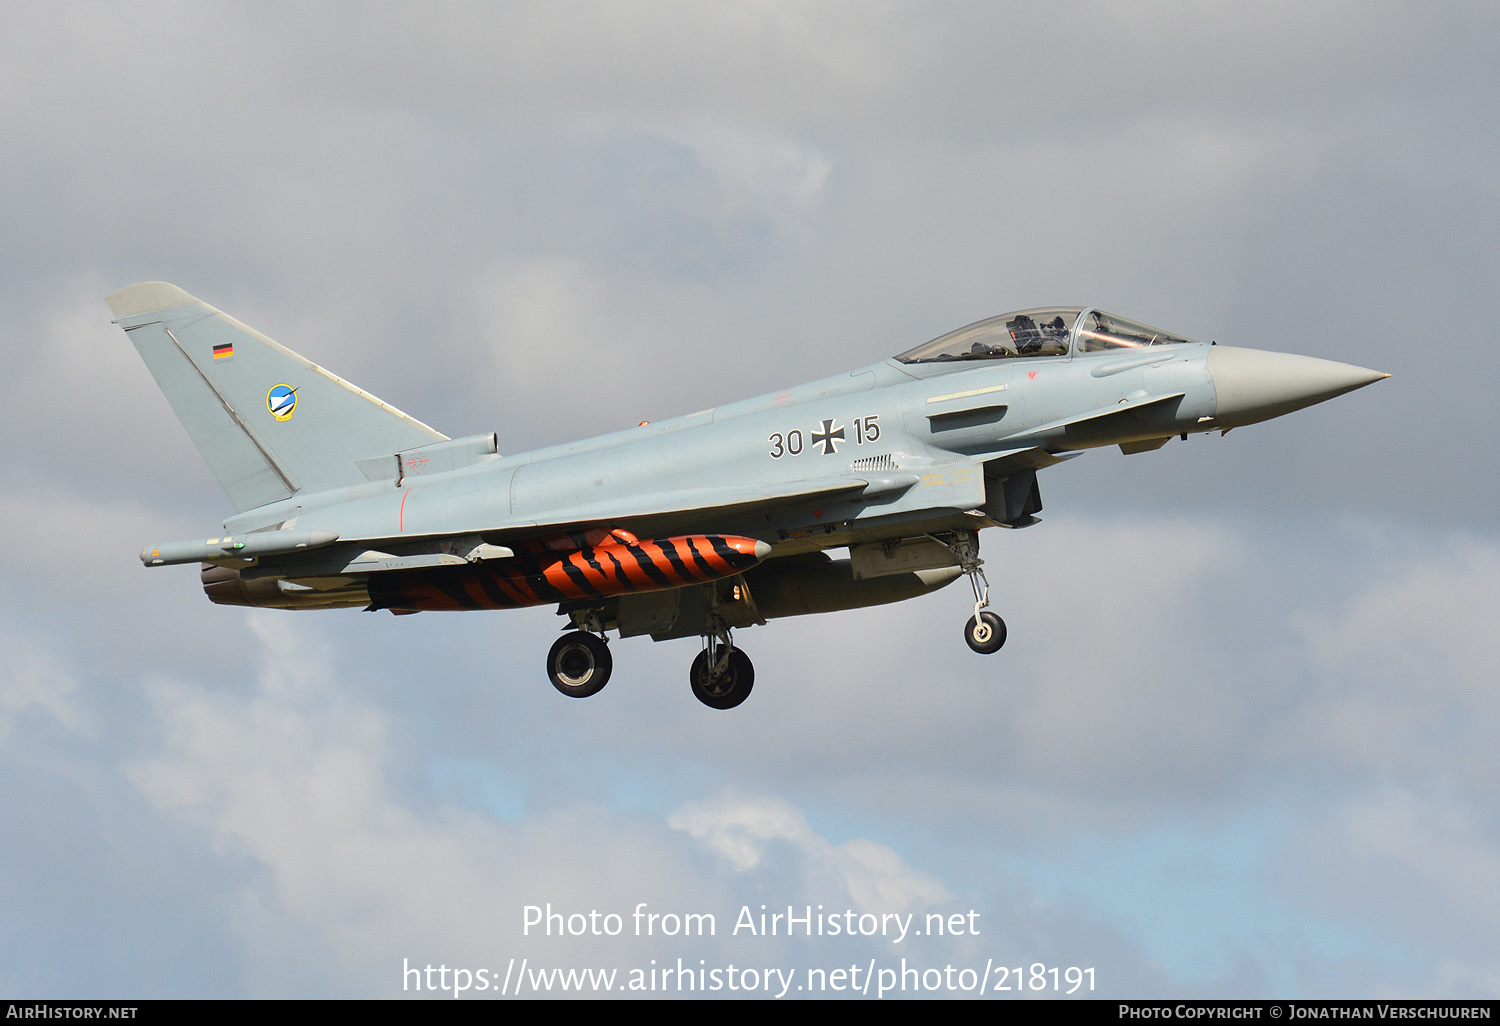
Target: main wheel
<point x="985" y="633"/>
<point x="728" y="689"/>
<point x="579" y="664"/>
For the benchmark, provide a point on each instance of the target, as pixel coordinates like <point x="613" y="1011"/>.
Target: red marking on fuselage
<point x="1031" y="374"/>
<point x="401" y="516"/>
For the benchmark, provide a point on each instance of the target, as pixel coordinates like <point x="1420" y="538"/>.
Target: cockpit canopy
<point x="1049" y="331"/>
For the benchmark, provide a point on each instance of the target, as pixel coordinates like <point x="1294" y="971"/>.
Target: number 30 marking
<point x="789" y="444"/>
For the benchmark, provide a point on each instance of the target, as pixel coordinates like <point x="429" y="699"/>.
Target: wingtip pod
<point x="147" y="297"/>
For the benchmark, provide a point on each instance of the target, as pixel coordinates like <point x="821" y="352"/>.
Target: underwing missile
<point x="245" y="546"/>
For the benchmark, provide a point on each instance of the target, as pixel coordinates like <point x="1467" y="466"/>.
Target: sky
<point x="1240" y="741"/>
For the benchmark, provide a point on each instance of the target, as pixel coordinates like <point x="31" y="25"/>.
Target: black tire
<point x="985" y="633"/>
<point x="730" y="689"/>
<point x="579" y="664"/>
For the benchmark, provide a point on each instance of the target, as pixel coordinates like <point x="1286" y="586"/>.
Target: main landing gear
<point x="722" y="676"/>
<point x="985" y="632"/>
<point x="579" y="664"/>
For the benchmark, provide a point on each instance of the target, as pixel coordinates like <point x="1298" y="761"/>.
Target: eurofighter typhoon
<point x="692" y="527"/>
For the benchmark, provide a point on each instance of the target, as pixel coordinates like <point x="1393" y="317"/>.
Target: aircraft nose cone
<point x="1253" y="385"/>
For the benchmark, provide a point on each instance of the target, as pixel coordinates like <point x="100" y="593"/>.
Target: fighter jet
<point x="691" y="527"/>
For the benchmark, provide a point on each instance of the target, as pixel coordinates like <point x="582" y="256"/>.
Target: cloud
<point x="1417" y="870"/>
<point x="290" y="785"/>
<point x="36" y="682"/>
<point x="294" y="777"/>
<point x="742" y="830"/>
<point x="1405" y="663"/>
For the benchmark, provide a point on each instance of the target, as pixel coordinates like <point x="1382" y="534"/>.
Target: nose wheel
<point x="985" y="632"/>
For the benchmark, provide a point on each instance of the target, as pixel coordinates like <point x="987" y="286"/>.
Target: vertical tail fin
<point x="268" y="422"/>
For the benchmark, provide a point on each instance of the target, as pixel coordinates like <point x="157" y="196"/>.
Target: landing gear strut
<point x="722" y="675"/>
<point x="579" y="664"/>
<point x="985" y="632"/>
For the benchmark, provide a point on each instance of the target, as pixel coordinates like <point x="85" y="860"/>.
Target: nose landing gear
<point x="985" y="632"/>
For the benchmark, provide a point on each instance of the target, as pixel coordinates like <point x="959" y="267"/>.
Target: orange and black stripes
<point x="597" y="564"/>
